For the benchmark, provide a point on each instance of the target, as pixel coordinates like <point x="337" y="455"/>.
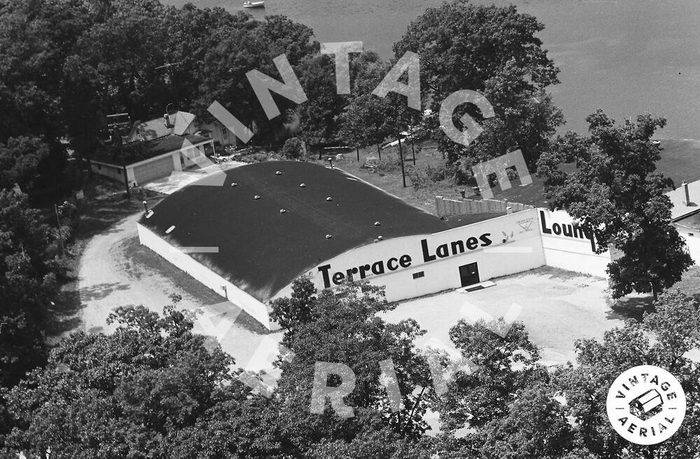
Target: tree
<point x="495" y="51"/>
<point x="292" y="148"/>
<point x="318" y="116"/>
<point x="246" y="44"/>
<point x="615" y="193"/>
<point x="342" y="326"/>
<point x="20" y="158"/>
<point x="149" y="389"/>
<point x="120" y="55"/>
<point x="291" y="313"/>
<point x="499" y="366"/>
<point x="535" y="426"/>
<point x="30" y="271"/>
<point x="37" y="37"/>
<point x="364" y="121"/>
<point x="662" y="339"/>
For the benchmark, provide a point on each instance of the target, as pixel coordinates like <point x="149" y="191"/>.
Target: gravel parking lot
<point x="557" y="307"/>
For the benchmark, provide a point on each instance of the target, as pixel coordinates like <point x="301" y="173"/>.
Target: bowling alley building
<point x="248" y="236"/>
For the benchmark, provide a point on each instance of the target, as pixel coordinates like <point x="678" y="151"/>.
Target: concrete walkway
<point x="180" y="179"/>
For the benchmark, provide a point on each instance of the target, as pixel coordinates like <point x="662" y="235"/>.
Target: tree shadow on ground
<point x="102" y="213"/>
<point x="105" y="205"/>
<point x="100" y="291"/>
<point x="63" y="313"/>
<point x="630" y="307"/>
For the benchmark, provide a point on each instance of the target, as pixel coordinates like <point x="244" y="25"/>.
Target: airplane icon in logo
<point x="526" y="224"/>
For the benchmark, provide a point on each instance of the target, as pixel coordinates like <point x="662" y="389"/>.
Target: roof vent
<point x="329" y="198"/>
<point x="329" y="236"/>
<point x="170" y="230"/>
<point x="149" y="214"/>
<point x="256" y="197"/>
<point x="278" y="172"/>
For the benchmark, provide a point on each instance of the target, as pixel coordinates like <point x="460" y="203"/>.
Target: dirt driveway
<point x="115" y="270"/>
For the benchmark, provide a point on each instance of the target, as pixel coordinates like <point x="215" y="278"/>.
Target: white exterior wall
<point x="192" y="155"/>
<point x="566" y="252"/>
<point x="521" y="252"/>
<point x="519" y="242"/>
<point x="692" y="240"/>
<point x="108" y="170"/>
<point x="206" y="276"/>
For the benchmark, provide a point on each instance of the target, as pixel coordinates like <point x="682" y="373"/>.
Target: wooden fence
<point x="445" y="207"/>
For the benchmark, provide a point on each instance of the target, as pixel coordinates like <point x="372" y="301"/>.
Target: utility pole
<point x="403" y="171"/>
<point x="126" y="183"/>
<point x="413" y="149"/>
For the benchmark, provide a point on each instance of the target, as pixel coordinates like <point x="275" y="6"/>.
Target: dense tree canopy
<point x="495" y="51"/>
<point x="318" y="116"/>
<point x="66" y="65"/>
<point x="663" y="339"/>
<point x="20" y="160"/>
<point x="246" y="44"/>
<point x="149" y="389"/>
<point x="153" y="388"/>
<point x="343" y="327"/>
<point x="30" y="270"/>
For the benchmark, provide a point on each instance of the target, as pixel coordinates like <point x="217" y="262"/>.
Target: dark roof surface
<point x="261" y="249"/>
<point x="134" y="152"/>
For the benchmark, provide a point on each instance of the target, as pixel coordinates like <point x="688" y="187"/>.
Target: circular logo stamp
<point x="646" y="405"/>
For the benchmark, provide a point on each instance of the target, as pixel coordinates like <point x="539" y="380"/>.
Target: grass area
<point x="389" y="178"/>
<point x="680" y="160"/>
<point x="634" y="306"/>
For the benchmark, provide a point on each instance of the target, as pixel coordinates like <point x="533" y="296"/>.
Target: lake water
<point x="624" y="56"/>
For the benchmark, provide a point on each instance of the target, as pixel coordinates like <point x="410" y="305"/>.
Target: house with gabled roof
<point x="154" y="149"/>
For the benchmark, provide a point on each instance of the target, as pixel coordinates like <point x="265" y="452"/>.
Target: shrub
<point x="436" y="174"/>
<point x="388" y="165"/>
<point x="418" y="176"/>
<point x="292" y="148"/>
<point x="259" y="157"/>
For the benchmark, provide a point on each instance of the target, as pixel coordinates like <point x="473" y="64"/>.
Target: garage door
<point x="154" y="170"/>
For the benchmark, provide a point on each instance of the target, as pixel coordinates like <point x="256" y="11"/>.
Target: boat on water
<point x="258" y="4"/>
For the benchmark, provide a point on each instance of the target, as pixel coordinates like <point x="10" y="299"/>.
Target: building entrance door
<point x="469" y="274"/>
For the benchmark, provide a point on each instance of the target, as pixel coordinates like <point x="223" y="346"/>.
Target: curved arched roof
<point x="262" y="249"/>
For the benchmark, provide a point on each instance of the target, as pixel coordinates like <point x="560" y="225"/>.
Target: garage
<point x="158" y="168"/>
